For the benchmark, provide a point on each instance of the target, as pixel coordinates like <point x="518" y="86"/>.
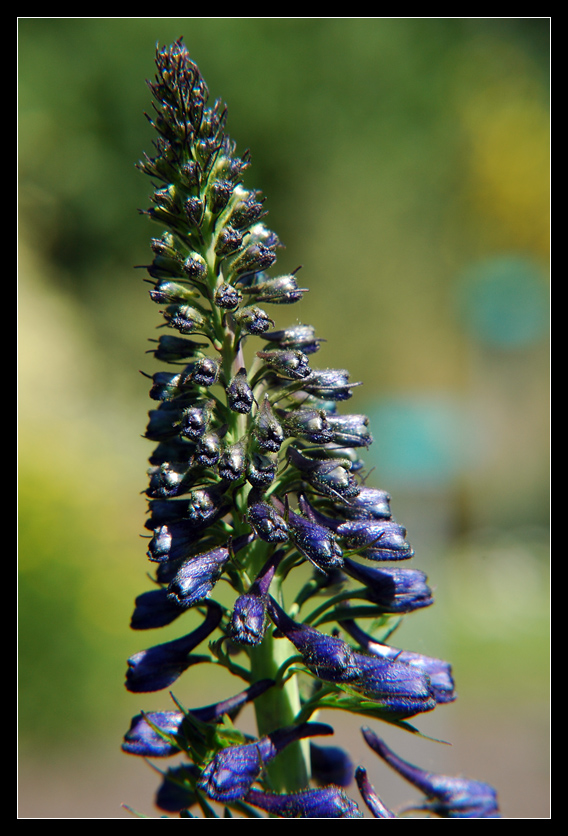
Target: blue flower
<point x="290" y="363"/>
<point x="329" y="384"/>
<point x="330" y="477"/>
<point x="160" y="666"/>
<point x="239" y="394"/>
<point x="300" y="337"/>
<point x="233" y="770"/>
<point x="377" y="540"/>
<point x="197" y="577"/>
<point x="266" y="521"/>
<point x="447" y="796"/>
<point x="438" y="671"/>
<point x="314" y="541"/>
<point x="369" y="504"/>
<point x="397" y="687"/>
<point x="326" y="803"/>
<point x="331" y="765"/>
<point x="142" y="739"/>
<point x="248" y="621"/>
<point x="394" y="589"/>
<point x="350" y="430"/>
<point x="370" y="796"/>
<point x="154" y="609"/>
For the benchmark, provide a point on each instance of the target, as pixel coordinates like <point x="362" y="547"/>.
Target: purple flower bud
<point x="229" y="241"/>
<point x="255" y="257"/>
<point x="142" y="740"/>
<point x="169" y="479"/>
<point x="248" y="622"/>
<point x="195" y="267"/>
<point x="311" y="424"/>
<point x="163" y="423"/>
<point x="447" y="796"/>
<point x="395" y="590"/>
<point x="194" y="209"/>
<point x="164" y="511"/>
<point x="197" y="577"/>
<point x="267" y="523"/>
<point x="166" y="386"/>
<point x="331" y="765"/>
<point x="247" y="211"/>
<point x="262" y="469"/>
<point x="154" y="609"/>
<point x="205" y="505"/>
<point x="233" y="770"/>
<point x="195" y="420"/>
<point x="185" y="319"/>
<point x="253" y="320"/>
<point x="369" y="504"/>
<point x="172" y="541"/>
<point x="398" y="687"/>
<point x="220" y="193"/>
<point x="239" y="393"/>
<point x="290" y="363"/>
<point x="172" y="349"/>
<point x="232" y="462"/>
<point x="226" y="297"/>
<point x="267" y="429"/>
<point x="208" y="450"/>
<point x="160" y="666"/>
<point x="330" y="384"/>
<point x="330" y="477"/>
<point x="378" y="540"/>
<point x="300" y="337"/>
<point x="370" y="797"/>
<point x="329" y="658"/>
<point x="283" y="290"/>
<point x="438" y="672"/>
<point x="314" y="541"/>
<point x="205" y="371"/>
<point x="325" y="803"/>
<point x="350" y="430"/>
<point x="167" y="292"/>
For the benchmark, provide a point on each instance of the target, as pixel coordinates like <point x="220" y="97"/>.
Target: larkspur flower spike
<point x="256" y="473"/>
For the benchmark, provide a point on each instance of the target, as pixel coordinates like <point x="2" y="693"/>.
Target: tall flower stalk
<point x="256" y="473"/>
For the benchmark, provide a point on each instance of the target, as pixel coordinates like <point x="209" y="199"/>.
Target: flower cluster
<point x="256" y="476"/>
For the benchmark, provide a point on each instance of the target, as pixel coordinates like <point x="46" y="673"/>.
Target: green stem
<point x="278" y="707"/>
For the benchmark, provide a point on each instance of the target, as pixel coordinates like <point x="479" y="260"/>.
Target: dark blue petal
<point x="331" y="765"/>
<point x="141" y="739"/>
<point x="160" y="666"/>
<point x="248" y="622"/>
<point x="370" y="796"/>
<point x="154" y="609"/>
<point x="438" y="671"/>
<point x="234" y="769"/>
<point x="377" y="540"/>
<point x="325" y="803"/>
<point x="197" y="577"/>
<point x="395" y="590"/>
<point x="448" y="796"/>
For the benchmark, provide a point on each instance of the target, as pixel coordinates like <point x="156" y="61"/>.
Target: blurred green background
<point x="406" y="168"/>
